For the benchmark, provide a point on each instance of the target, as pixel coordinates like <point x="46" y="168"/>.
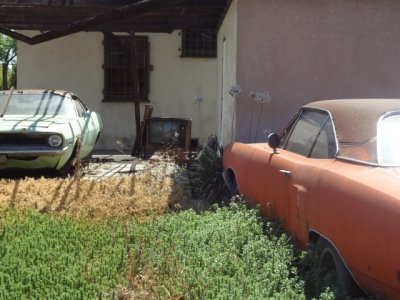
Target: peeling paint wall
<point x="75" y="63"/>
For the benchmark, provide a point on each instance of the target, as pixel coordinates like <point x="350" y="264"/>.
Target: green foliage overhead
<point x="8" y="54"/>
<point x="8" y="49"/>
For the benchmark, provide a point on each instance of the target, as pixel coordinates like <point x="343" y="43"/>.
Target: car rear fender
<point x="315" y="236"/>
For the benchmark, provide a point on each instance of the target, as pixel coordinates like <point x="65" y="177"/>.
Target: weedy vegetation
<point x="132" y="238"/>
<point x="45" y="256"/>
<point x="225" y="253"/>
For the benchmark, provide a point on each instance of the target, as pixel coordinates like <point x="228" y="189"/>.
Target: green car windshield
<point x="41" y="104"/>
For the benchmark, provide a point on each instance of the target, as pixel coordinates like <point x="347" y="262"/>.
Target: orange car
<point x="333" y="177"/>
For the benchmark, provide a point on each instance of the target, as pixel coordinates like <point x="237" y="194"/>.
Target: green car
<point x="45" y="129"/>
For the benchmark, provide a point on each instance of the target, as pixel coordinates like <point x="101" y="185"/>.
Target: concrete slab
<point x="114" y="157"/>
<point x="115" y="165"/>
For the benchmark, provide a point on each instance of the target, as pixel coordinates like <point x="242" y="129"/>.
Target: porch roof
<point x="56" y="18"/>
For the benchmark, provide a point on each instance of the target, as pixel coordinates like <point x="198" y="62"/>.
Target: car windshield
<point x="389" y="140"/>
<point x="41" y="104"/>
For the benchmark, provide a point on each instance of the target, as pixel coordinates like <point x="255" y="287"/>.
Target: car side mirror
<point x="274" y="141"/>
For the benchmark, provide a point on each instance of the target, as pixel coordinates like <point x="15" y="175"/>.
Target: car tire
<point x="232" y="184"/>
<point x="330" y="263"/>
<point x="235" y="188"/>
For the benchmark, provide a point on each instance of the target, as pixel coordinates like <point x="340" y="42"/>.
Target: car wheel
<point x="232" y="182"/>
<point x="332" y="269"/>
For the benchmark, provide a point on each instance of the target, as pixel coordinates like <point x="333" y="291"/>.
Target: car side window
<point x="79" y="107"/>
<point x="325" y="145"/>
<point x="313" y="135"/>
<point x="284" y="135"/>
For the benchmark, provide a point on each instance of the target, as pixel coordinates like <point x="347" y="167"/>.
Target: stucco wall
<point x="227" y="46"/>
<point x="75" y="63"/>
<point x="305" y="50"/>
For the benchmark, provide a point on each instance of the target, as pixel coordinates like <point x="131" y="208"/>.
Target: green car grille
<point x="23" y="139"/>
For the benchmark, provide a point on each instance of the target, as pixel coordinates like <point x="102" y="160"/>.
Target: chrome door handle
<point x="285" y="172"/>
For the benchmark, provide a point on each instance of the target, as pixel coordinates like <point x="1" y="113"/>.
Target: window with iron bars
<point x="118" y="79"/>
<point x="199" y="43"/>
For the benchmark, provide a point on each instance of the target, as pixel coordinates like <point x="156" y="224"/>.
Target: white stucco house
<point x="113" y="54"/>
<point x="179" y="87"/>
<point x="268" y="57"/>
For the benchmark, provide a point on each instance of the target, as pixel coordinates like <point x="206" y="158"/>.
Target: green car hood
<point x="12" y="123"/>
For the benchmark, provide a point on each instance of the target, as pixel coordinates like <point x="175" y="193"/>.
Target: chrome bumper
<point x="18" y="152"/>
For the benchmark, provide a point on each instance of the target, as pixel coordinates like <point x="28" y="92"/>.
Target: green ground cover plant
<point x="44" y="256"/>
<point x="225" y="253"/>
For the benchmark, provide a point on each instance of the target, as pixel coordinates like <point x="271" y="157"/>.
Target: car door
<point x="308" y="145"/>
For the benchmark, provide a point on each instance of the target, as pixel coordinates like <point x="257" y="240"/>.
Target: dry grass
<point x="137" y="195"/>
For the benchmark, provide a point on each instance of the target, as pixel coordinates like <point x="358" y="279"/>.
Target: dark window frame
<point x="199" y="43"/>
<point x="118" y="81"/>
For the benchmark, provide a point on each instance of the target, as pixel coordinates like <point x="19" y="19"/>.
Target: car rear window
<point x="389" y="140"/>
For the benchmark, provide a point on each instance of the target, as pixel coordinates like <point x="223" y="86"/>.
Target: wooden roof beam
<point x="137" y="8"/>
<point x="94" y="3"/>
<point x="15" y="35"/>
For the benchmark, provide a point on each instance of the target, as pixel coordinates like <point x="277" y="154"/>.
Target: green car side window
<point x="79" y="107"/>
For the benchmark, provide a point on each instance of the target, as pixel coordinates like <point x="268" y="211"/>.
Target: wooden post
<point x="136" y="96"/>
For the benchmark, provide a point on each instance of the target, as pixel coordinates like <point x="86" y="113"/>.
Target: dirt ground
<point x="105" y="189"/>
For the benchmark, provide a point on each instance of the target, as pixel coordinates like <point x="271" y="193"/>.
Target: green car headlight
<point x="55" y="140"/>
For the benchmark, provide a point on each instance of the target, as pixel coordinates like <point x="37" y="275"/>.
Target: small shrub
<point x="205" y="174"/>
